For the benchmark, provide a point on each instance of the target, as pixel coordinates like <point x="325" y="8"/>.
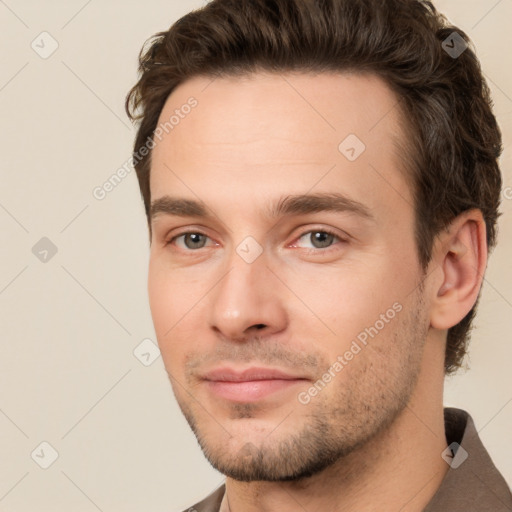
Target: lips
<point x="249" y="374"/>
<point x="249" y="385"/>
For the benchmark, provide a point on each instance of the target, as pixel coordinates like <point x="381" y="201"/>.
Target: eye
<point x="190" y="240"/>
<point x="319" y="239"/>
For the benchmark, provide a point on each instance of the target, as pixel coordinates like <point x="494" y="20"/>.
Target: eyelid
<point x="331" y="231"/>
<point x="172" y="238"/>
<point x="341" y="237"/>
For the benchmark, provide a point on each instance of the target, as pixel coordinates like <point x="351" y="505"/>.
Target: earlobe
<point x="461" y="253"/>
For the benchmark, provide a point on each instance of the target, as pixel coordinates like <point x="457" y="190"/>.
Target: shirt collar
<point x="472" y="482"/>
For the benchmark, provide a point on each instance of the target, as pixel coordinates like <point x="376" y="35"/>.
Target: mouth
<point x="249" y="385"/>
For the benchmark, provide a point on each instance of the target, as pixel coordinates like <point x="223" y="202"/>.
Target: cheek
<point x="167" y="308"/>
<point x="346" y="295"/>
<point x="172" y="293"/>
<point x="176" y="309"/>
<point x="349" y="300"/>
<point x="160" y="299"/>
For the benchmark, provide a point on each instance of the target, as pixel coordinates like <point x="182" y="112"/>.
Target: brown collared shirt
<point x="472" y="484"/>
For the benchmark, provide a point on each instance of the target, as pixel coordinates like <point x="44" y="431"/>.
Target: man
<point x="321" y="185"/>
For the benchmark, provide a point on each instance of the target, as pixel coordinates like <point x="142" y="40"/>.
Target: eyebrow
<point x="301" y="204"/>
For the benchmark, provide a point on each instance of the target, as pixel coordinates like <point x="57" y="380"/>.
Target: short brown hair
<point x="454" y="142"/>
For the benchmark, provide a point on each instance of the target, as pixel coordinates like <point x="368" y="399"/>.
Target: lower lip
<point x="250" y="391"/>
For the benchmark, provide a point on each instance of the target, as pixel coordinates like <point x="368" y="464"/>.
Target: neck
<point x="399" y="469"/>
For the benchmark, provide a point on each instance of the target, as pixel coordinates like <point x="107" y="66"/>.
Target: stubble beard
<point x="328" y="429"/>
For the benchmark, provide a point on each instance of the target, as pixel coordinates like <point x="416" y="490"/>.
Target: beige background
<point x="69" y="376"/>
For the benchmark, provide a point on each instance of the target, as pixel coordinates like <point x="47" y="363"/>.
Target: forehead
<point x="269" y="130"/>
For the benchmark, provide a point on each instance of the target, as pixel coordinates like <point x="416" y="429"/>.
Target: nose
<point x="247" y="301"/>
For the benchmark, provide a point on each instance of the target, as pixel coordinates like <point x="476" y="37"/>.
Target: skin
<point x="372" y="437"/>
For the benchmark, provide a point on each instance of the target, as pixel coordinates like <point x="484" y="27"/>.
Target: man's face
<point x="292" y="332"/>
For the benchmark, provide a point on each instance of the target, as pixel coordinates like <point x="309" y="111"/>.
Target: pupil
<point x="322" y="239"/>
<point x="195" y="239"/>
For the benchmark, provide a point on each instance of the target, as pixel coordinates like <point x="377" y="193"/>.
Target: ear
<point x="460" y="254"/>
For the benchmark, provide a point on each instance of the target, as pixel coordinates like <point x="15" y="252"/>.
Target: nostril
<point x="259" y="326"/>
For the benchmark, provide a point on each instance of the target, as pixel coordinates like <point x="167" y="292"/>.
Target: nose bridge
<point x="247" y="296"/>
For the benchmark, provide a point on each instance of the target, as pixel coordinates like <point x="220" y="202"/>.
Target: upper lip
<point x="226" y="374"/>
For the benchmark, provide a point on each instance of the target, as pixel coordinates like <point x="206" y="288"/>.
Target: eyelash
<point x="309" y="250"/>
